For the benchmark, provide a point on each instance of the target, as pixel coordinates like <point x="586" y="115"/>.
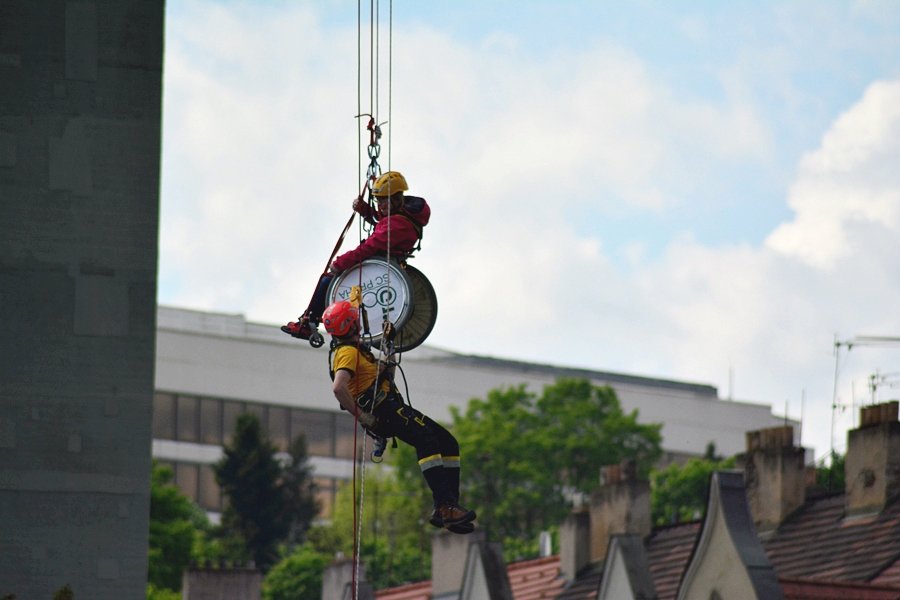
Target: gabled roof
<point x="817" y="542"/>
<point x="626" y="570"/>
<point x="668" y="552"/>
<point x="728" y="530"/>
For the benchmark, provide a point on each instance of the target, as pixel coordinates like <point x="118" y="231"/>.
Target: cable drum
<point x="400" y="293"/>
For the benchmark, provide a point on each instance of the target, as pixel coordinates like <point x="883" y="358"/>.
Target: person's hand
<point x="367" y="420"/>
<point x="358" y="203"/>
<point x="334" y="269"/>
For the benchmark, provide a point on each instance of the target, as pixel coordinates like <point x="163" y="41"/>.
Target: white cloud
<point x="849" y="186"/>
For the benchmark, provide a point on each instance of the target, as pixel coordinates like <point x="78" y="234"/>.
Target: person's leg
<point x="318" y="302"/>
<point x="306" y="324"/>
<point x="430" y="440"/>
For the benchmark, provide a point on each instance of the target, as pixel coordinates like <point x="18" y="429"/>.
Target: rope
<point x="373" y="171"/>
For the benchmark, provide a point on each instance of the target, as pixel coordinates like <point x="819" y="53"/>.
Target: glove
<point x="367" y="420"/>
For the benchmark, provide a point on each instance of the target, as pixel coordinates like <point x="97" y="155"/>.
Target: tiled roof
<point x="410" y="591"/>
<point x="586" y="584"/>
<point x="535" y="579"/>
<point x="816" y="553"/>
<point x="804" y="589"/>
<point x="817" y="542"/>
<point x="668" y="552"/>
<point x="890" y="576"/>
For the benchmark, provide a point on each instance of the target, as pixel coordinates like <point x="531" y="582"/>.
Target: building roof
<point x="411" y="591"/>
<point x="536" y="579"/>
<point x="586" y="584"/>
<point x="816" y="553"/>
<point x="805" y="589"/>
<point x="817" y="542"/>
<point x="669" y="549"/>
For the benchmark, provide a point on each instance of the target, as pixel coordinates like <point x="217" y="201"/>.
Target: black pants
<point x="436" y="448"/>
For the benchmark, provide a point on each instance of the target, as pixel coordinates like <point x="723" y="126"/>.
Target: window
<point x="210" y="421"/>
<point x="279" y="427"/>
<point x="318" y="429"/>
<point x="325" y="494"/>
<point x="210" y="497"/>
<point x="164" y="416"/>
<point x="259" y="411"/>
<point x="343" y="437"/>
<point x="230" y="412"/>
<point x="188" y="413"/>
<point x="186" y="479"/>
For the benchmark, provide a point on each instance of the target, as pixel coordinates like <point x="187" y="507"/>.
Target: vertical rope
<point x="374" y="98"/>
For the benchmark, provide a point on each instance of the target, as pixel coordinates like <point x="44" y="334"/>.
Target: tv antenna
<point x="875" y="380"/>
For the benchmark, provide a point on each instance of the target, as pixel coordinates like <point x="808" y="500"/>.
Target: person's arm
<point x="402" y="238"/>
<point x="341" y="390"/>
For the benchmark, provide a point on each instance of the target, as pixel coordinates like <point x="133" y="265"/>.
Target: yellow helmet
<point x="389" y="184"/>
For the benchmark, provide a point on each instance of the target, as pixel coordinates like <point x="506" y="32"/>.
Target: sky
<point x="699" y="191"/>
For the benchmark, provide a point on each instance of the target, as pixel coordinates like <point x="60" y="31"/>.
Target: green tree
<point x="396" y="542"/>
<point x="174" y="522"/>
<point x="296" y="483"/>
<point x="679" y="493"/>
<point x="830" y="473"/>
<point x="523" y="455"/>
<point x="267" y="503"/>
<point x="298" y="576"/>
<point x="155" y="593"/>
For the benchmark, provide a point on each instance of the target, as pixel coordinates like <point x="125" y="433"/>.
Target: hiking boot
<point x="298" y="329"/>
<point x="436" y="519"/>
<point x="452" y="514"/>
<point x="461" y="528"/>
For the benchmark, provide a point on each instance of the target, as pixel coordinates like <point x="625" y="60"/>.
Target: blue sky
<point x="703" y="191"/>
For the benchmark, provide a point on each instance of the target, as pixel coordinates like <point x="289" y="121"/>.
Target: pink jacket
<point x="403" y="233"/>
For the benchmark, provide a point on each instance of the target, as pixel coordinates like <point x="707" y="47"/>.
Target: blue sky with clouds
<point x="704" y="191"/>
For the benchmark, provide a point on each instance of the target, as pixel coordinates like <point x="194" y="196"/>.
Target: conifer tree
<point x="258" y="514"/>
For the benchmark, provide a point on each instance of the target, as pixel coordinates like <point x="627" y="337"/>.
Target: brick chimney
<point x="620" y="505"/>
<point x="872" y="464"/>
<point x="775" y="476"/>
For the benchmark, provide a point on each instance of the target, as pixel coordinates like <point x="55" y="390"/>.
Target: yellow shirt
<point x="362" y="367"/>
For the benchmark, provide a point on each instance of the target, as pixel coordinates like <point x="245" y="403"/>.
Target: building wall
<point x="222" y="357"/>
<point x="80" y="103"/>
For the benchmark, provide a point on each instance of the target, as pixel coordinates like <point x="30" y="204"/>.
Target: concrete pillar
<point x="80" y="104"/>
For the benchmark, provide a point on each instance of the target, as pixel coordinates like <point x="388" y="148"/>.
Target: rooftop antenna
<point x="859" y="340"/>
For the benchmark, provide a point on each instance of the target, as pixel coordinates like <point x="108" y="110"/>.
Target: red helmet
<point x="341" y="319"/>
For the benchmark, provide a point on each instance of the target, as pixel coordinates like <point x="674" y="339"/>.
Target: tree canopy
<point x="524" y="456"/>
<point x="174" y="522"/>
<point x="679" y="493"/>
